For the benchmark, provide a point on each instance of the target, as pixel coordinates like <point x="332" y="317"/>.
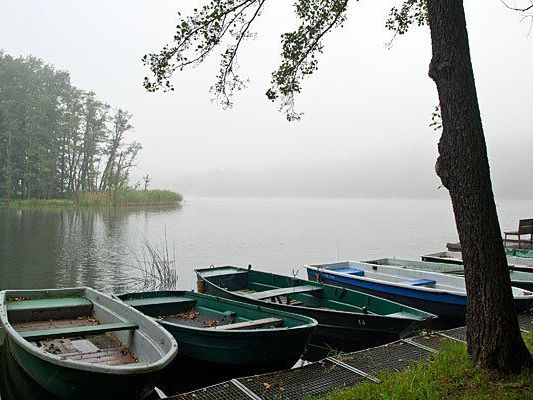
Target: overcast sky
<point x="367" y="109"/>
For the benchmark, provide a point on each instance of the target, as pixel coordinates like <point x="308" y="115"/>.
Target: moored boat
<point x="224" y="333"/>
<point x="437" y="293"/>
<point x="519" y="279"/>
<point x="346" y="319"/>
<point x="453" y="257"/>
<point x="78" y="343"/>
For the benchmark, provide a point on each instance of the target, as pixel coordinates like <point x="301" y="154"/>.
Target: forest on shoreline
<point x="60" y="145"/>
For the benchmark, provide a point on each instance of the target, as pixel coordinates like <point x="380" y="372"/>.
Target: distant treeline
<point x="57" y="141"/>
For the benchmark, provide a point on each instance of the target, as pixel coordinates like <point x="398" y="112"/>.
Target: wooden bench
<point x="525" y="227"/>
<point x="77" y="331"/>
<point x="258" y="323"/>
<point x="268" y="294"/>
<point x="47" y="304"/>
<point x="420" y="282"/>
<point x="157" y="301"/>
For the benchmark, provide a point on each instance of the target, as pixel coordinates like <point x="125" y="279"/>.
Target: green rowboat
<point x="215" y="331"/>
<point x="81" y="344"/>
<point x="347" y="319"/>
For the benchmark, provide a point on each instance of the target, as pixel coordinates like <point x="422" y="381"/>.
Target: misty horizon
<point x="365" y="132"/>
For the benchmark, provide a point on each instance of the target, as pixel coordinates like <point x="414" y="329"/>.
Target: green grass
<point x="131" y="198"/>
<point x="449" y="375"/>
<point x="20" y="203"/>
<point x="121" y="198"/>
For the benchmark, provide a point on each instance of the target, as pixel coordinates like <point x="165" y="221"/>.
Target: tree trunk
<point x="493" y="335"/>
<point x="7" y="170"/>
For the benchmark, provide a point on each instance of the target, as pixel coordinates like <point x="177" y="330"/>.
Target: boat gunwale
<point x="12" y="334"/>
<point x="309" y="324"/>
<point x="319" y="267"/>
<point x="512" y="273"/>
<point x="423" y="315"/>
<point x="517" y="263"/>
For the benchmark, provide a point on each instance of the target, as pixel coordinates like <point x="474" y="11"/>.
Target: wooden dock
<point x="511" y="244"/>
<point x="336" y="372"/>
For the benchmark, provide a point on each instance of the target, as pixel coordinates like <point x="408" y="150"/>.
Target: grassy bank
<point x="449" y="375"/>
<point x="120" y="198"/>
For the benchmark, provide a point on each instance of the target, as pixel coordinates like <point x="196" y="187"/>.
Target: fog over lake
<point x="367" y="109"/>
<point x="99" y="247"/>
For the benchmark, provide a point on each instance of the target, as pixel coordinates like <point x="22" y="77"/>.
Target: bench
<point x="350" y="271"/>
<point x="47" y="304"/>
<point x="525" y="227"/>
<point x="77" y="331"/>
<point x="267" y="294"/>
<point x="258" y="323"/>
<point x="421" y="282"/>
<point x="154" y="301"/>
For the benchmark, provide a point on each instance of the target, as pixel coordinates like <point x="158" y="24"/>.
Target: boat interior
<point x="73" y="328"/>
<point x="397" y="275"/>
<point x="203" y="311"/>
<point x="419" y="265"/>
<point x="296" y="292"/>
<point x="441" y="267"/>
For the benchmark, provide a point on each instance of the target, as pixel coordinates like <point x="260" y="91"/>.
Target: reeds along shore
<point x="120" y="198"/>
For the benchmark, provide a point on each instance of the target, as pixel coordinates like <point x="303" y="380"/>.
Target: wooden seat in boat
<point x="77" y="331"/>
<point x="267" y="294"/>
<point x="258" y="323"/>
<point x="421" y="282"/>
<point x="150" y="301"/>
<point x="351" y="271"/>
<point x="45" y="304"/>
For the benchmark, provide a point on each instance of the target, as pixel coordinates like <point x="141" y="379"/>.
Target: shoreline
<point x="123" y="198"/>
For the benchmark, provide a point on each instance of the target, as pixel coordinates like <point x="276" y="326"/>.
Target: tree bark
<point x="493" y="334"/>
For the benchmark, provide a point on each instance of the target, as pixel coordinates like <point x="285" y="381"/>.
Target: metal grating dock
<point x="433" y="342"/>
<point x="396" y="356"/>
<point x="335" y="373"/>
<point x="526" y="322"/>
<point x="226" y="391"/>
<point x="299" y="383"/>
<point x="457" y="333"/>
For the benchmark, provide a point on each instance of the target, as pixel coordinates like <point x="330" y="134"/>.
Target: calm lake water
<point x="100" y="247"/>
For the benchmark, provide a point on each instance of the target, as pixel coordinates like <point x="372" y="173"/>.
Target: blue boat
<point x="433" y="292"/>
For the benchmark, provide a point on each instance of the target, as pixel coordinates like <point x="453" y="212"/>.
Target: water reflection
<point x="46" y="248"/>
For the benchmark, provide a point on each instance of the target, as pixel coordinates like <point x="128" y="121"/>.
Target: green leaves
<point x="195" y="39"/>
<point x="411" y="12"/>
<point x="300" y="49"/>
<point x="198" y="35"/>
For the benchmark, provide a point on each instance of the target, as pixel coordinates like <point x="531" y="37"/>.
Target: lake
<point x="102" y="247"/>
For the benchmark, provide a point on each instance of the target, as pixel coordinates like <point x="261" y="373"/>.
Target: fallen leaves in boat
<point x="212" y="323"/>
<point x="88" y="319"/>
<point x="17" y="298"/>
<point x="127" y="352"/>
<point x="184" y="315"/>
<point x="52" y="348"/>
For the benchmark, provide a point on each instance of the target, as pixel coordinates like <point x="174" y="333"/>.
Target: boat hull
<point x="257" y="351"/>
<point x="120" y="355"/>
<point x="519" y="279"/>
<point x="71" y="384"/>
<point x="338" y="330"/>
<point x="515" y="263"/>
<point x="447" y="306"/>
